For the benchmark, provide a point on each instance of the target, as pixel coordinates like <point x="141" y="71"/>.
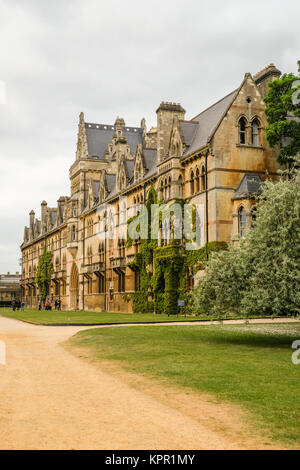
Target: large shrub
<point x="262" y="275"/>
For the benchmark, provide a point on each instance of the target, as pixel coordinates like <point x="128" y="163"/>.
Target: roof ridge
<point x="109" y="127"/>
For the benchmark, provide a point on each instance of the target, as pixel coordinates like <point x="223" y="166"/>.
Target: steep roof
<point x="100" y="135"/>
<point x="188" y="129"/>
<point x="111" y="182"/>
<point x="150" y="158"/>
<point x="130" y="168"/>
<point x="249" y="186"/>
<point x="208" y="120"/>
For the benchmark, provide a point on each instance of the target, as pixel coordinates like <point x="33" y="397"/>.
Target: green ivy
<point x="44" y="271"/>
<point x="163" y="269"/>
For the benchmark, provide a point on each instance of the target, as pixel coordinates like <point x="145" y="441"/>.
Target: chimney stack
<point x="166" y="113"/>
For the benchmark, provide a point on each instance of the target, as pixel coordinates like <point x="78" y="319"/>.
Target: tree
<point x="262" y="275"/>
<point x="44" y="271"/>
<point x="273" y="248"/>
<point x="283" y="113"/>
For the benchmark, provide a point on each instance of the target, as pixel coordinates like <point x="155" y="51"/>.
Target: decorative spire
<point x="82" y="146"/>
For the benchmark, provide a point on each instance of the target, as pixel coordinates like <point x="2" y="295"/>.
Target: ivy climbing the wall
<point x="163" y="269"/>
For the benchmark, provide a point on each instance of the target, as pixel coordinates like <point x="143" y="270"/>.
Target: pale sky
<point x="110" y="59"/>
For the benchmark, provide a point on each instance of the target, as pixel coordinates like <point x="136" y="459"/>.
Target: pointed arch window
<point x="192" y="183"/>
<point x="169" y="188"/>
<point x="166" y="189"/>
<point x="242" y="131"/>
<point x="255" y="125"/>
<point x="242" y="221"/>
<point x="202" y="177"/>
<point x="180" y="186"/>
<point x="73" y="233"/>
<point x="161" y="190"/>
<point x="197" y="181"/>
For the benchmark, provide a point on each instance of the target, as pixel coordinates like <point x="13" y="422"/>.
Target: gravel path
<point x="51" y="399"/>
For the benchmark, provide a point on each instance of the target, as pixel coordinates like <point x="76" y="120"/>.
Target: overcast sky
<point x="110" y="58"/>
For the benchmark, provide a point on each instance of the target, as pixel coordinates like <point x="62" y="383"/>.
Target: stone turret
<point x="166" y="113"/>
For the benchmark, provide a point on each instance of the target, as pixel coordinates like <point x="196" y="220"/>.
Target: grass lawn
<point x="88" y="318"/>
<point x="247" y="364"/>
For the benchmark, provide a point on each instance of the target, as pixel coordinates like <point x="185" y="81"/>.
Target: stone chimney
<point x="166" y="113"/>
<point x="265" y="76"/>
<point x="31" y="224"/>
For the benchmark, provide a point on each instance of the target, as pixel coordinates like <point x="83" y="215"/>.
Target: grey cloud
<point x="115" y="58"/>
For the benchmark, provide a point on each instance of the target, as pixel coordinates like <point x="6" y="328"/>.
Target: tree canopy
<point x="283" y="113"/>
<point x="260" y="275"/>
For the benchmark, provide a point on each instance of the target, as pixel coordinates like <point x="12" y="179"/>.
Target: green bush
<point x="261" y="276"/>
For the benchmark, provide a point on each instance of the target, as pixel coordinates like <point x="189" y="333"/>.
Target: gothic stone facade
<point x="218" y="160"/>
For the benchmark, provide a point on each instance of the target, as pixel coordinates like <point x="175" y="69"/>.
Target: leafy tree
<point x="220" y="290"/>
<point x="44" y="271"/>
<point x="273" y="248"/>
<point x="262" y="275"/>
<point x="283" y="109"/>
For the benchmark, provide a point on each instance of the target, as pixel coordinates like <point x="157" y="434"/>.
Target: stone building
<point x="10" y="288"/>
<point x="217" y="160"/>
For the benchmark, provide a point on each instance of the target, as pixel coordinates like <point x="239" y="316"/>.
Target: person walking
<point x="47" y="304"/>
<point x="40" y="305"/>
<point x="59" y="304"/>
<point x="13" y="304"/>
<point x="22" y="305"/>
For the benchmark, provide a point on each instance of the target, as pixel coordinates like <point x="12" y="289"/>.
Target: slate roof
<point x="208" y="120"/>
<point x="100" y="135"/>
<point x="130" y="168"/>
<point x="53" y="214"/>
<point x="249" y="186"/>
<point x="188" y="129"/>
<point x="150" y="157"/>
<point x="111" y="182"/>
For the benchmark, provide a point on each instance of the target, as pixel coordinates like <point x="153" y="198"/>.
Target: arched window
<point x="253" y="216"/>
<point x="192" y="183"/>
<point x="255" y="132"/>
<point x="180" y="186"/>
<point x="169" y="188"/>
<point x="165" y="189"/>
<point x="197" y="181"/>
<point x="242" y="131"/>
<point x="242" y="221"/>
<point x="202" y="177"/>
<point x="73" y="233"/>
<point x="161" y="190"/>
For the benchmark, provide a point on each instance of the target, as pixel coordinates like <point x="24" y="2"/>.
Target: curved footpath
<point x="51" y="399"/>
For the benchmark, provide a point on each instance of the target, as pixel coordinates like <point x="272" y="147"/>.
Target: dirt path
<point x="51" y="399"/>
